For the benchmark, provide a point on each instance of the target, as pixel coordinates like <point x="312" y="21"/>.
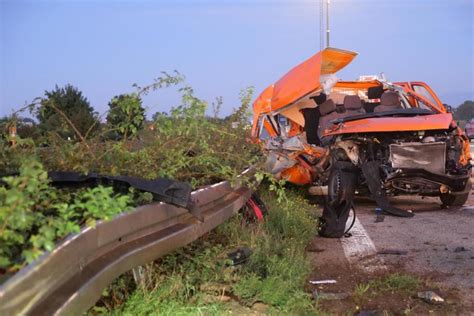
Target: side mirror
<point x="448" y="108"/>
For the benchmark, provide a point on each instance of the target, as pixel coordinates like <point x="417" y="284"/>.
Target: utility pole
<point x="321" y="24"/>
<point x="327" y="23"/>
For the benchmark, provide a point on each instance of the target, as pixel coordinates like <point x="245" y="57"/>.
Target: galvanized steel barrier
<point x="71" y="278"/>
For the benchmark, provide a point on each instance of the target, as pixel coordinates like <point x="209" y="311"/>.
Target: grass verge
<point x="198" y="279"/>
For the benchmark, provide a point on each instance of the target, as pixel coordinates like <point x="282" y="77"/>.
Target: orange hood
<point x="302" y="80"/>
<point x="393" y="124"/>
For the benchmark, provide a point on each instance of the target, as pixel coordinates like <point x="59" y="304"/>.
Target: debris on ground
<point x="392" y="252"/>
<point x="329" y="296"/>
<point x="430" y="297"/>
<point x="322" y="281"/>
<point x="379" y="218"/>
<point x="460" y="249"/>
<point x="240" y="255"/>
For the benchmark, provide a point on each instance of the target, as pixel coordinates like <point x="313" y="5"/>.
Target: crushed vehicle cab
<point x="388" y="138"/>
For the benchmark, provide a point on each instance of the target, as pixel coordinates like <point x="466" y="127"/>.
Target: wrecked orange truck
<point x="368" y="136"/>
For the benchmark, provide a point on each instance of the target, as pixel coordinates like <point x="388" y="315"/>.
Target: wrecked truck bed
<point x="393" y="138"/>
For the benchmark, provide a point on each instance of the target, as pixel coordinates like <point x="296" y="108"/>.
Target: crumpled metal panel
<point x="71" y="278"/>
<point x="427" y="156"/>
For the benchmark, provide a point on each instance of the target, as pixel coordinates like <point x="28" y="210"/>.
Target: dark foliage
<point x="465" y="111"/>
<point x="66" y="102"/>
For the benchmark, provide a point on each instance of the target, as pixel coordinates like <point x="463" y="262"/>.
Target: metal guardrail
<point x="71" y="278"/>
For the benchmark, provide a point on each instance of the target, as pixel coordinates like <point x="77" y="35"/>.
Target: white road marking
<point x="360" y="246"/>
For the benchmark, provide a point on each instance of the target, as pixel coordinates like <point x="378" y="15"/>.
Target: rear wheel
<point x="456" y="199"/>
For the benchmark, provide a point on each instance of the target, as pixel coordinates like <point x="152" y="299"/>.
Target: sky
<point x="222" y="46"/>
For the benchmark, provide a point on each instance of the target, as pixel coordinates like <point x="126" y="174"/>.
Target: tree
<point x="67" y="112"/>
<point x="465" y="111"/>
<point x="158" y="115"/>
<point x="126" y="114"/>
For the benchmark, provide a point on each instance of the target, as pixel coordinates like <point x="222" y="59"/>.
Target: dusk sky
<point x="103" y="47"/>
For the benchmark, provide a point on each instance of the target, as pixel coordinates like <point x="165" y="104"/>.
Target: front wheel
<point x="456" y="199"/>
<point x="339" y="202"/>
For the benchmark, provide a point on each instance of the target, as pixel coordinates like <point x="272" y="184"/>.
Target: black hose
<point x="353" y="220"/>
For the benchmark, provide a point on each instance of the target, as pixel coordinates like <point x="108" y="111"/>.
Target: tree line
<point x="68" y="113"/>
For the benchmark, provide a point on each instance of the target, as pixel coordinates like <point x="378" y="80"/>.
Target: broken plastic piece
<point x="379" y="218"/>
<point x="371" y="171"/>
<point x="240" y="255"/>
<point x="430" y="297"/>
<point x="323" y="281"/>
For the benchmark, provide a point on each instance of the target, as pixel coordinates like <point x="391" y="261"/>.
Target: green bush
<point x="126" y="114"/>
<point x="34" y="215"/>
<point x="185" y="145"/>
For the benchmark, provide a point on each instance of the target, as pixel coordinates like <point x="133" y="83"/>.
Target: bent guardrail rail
<point x="71" y="278"/>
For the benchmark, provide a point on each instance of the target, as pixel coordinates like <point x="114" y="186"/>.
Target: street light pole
<point x="327" y="23"/>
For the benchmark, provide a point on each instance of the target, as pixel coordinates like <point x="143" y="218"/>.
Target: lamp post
<point x="327" y="23"/>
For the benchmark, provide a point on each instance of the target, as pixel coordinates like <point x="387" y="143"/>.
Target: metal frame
<point x="71" y="278"/>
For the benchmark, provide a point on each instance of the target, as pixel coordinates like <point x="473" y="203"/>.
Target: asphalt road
<point x="436" y="243"/>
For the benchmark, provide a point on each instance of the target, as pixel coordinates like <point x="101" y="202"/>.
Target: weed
<point x="393" y="283"/>
<point x="397" y="282"/>
<point x="361" y="289"/>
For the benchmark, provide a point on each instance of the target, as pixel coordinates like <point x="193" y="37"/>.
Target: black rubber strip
<point x="371" y="172"/>
<point x="164" y="190"/>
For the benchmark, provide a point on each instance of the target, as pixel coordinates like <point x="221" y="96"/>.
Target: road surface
<point x="436" y="243"/>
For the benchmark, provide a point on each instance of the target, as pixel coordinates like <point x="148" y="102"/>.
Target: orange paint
<point x="297" y="175"/>
<point x="358" y="85"/>
<point x="297" y="83"/>
<point x="391" y="124"/>
<point x="302" y="80"/>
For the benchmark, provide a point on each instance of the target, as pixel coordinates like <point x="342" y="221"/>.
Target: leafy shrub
<point x="126" y="114"/>
<point x="186" y="145"/>
<point x="34" y="215"/>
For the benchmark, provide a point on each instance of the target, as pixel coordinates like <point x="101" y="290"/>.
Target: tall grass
<point x="193" y="279"/>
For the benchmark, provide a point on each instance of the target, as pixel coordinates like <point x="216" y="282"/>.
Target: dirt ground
<point x="435" y="246"/>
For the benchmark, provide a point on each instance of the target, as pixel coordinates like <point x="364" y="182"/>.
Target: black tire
<point x="341" y="188"/>
<point x="341" y="184"/>
<point x="456" y="199"/>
